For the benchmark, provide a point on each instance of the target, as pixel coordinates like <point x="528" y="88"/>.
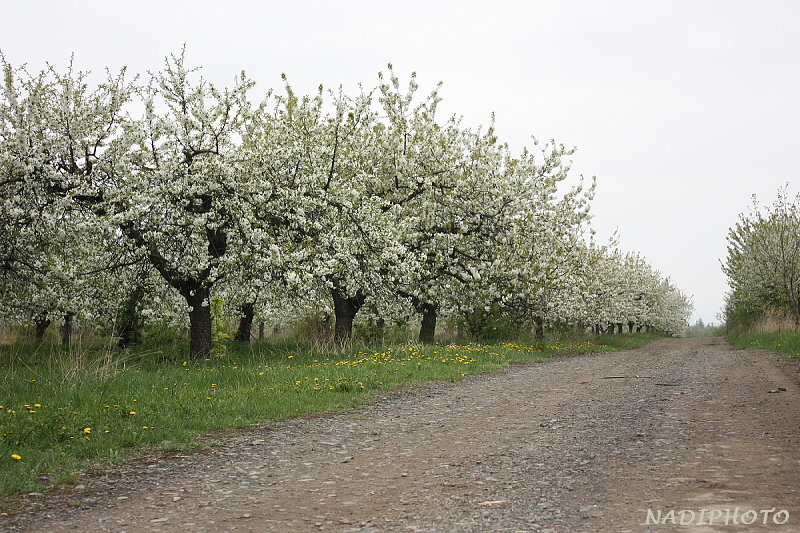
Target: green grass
<point x="786" y="342"/>
<point x="65" y="411"/>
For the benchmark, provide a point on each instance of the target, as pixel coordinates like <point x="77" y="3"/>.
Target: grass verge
<point x="61" y="412"/>
<point x="786" y="342"/>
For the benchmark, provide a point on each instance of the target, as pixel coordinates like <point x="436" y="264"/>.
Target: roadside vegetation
<point x="64" y="411"/>
<point x="763" y="268"/>
<point x="786" y="342"/>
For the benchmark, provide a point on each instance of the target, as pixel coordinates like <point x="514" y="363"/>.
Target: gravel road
<point x="680" y="435"/>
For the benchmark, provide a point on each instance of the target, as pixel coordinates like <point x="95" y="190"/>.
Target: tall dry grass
<point x="775" y="320"/>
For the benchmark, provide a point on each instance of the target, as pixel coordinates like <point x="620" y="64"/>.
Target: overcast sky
<point x="682" y="109"/>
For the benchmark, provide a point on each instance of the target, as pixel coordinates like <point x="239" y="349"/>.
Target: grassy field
<point x="63" y="411"/>
<point x="786" y="342"/>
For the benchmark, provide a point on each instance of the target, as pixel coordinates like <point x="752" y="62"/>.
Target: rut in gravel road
<point x="681" y="430"/>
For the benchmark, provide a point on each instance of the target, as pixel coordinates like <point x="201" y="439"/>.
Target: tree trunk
<point x="797" y="313"/>
<point x="42" y="323"/>
<point x="630" y="326"/>
<point x="427" y="330"/>
<point x="245" y="322"/>
<point x="199" y="324"/>
<point x="538" y="325"/>
<point x="345" y="309"/>
<point x="196" y="290"/>
<point x="261" y="331"/>
<point x="66" y="331"/>
<point x="129" y="327"/>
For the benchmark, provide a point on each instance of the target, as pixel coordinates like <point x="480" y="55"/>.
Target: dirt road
<point x="682" y="431"/>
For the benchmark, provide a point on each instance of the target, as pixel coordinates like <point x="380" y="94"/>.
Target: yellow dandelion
<point x="133" y="412"/>
<point x="87" y="430"/>
<point x="16" y="457"/>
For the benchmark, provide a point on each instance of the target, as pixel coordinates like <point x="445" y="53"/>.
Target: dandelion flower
<point x="15" y="457"/>
<point x="133" y="412"/>
<point x="87" y="430"/>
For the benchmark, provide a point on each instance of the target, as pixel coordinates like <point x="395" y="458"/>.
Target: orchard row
<point x="126" y="201"/>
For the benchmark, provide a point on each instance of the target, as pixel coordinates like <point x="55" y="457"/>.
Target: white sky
<point x="683" y="109"/>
